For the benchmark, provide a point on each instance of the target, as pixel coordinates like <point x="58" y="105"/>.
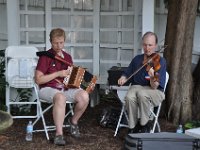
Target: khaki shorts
<point x="47" y="94"/>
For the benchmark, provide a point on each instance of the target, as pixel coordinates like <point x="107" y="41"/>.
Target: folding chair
<point x="20" y="63"/>
<point x="42" y="111"/>
<point x="121" y="92"/>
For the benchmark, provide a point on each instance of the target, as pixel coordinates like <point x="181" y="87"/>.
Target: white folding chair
<point x="46" y="127"/>
<point x="121" y="92"/>
<point x="20" y="63"/>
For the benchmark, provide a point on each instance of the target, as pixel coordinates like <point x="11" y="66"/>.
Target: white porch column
<point x="148" y="16"/>
<point x="96" y="30"/>
<point x="48" y="22"/>
<point x="13" y="22"/>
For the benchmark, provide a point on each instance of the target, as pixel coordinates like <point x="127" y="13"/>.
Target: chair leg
<point x="156" y="115"/>
<point x="41" y="115"/>
<point x="154" y="126"/>
<point x="120" y="119"/>
<point x="44" y="122"/>
<point x="158" y="125"/>
<point x="71" y="110"/>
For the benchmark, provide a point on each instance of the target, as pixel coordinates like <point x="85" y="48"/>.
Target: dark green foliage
<point x="192" y="124"/>
<point x="2" y="80"/>
<point x="24" y="95"/>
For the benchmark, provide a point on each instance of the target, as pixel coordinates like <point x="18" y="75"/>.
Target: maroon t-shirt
<point x="48" y="65"/>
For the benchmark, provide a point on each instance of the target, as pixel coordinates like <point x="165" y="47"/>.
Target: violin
<point x="155" y="58"/>
<point x="153" y="61"/>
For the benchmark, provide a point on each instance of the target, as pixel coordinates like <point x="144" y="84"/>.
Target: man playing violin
<point x="48" y="73"/>
<point x="147" y="87"/>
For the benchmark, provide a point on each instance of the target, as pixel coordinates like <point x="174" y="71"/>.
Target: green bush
<point x="2" y="80"/>
<point x="192" y="124"/>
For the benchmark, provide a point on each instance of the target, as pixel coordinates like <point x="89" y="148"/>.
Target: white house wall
<point x="196" y="43"/>
<point x="96" y="46"/>
<point x="111" y="51"/>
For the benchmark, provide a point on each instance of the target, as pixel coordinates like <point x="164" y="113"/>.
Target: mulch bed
<point x="93" y="136"/>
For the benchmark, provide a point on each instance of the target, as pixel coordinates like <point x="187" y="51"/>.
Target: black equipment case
<point x="114" y="73"/>
<point x="161" y="141"/>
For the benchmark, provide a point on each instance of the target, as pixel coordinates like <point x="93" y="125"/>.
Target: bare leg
<point x="82" y="100"/>
<point x="59" y="112"/>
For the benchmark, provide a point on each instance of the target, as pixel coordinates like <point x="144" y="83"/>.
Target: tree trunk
<point x="179" y="41"/>
<point x="196" y="93"/>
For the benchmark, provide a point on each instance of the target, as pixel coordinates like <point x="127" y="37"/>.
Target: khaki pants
<point x="140" y="99"/>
